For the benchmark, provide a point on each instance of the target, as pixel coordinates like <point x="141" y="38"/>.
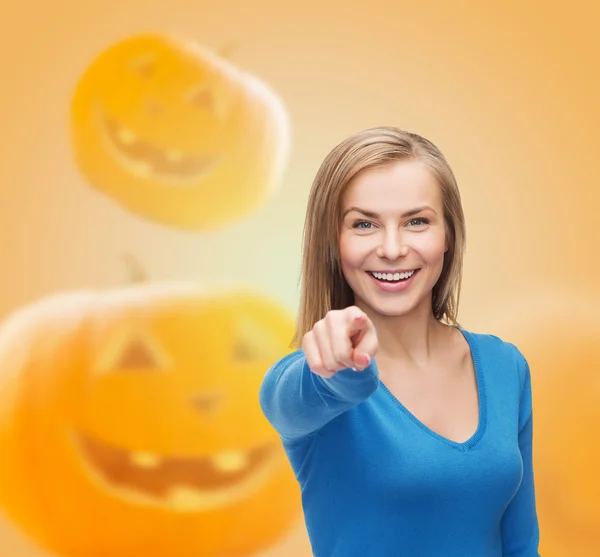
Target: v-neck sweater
<point x="377" y="481"/>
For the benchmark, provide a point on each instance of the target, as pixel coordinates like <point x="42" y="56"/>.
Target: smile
<point x="393" y="276"/>
<point x="148" y="161"/>
<point x="180" y="483"/>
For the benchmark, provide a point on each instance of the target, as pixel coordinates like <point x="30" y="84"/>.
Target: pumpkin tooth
<point x="145" y="460"/>
<point x="174" y="156"/>
<point x="126" y="136"/>
<point x="232" y="461"/>
<point x="184" y="498"/>
<point x="142" y="168"/>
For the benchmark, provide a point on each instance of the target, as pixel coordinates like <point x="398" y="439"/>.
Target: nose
<point x="207" y="403"/>
<point x="392" y="246"/>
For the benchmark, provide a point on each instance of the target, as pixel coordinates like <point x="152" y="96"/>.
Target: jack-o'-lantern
<point x="561" y="341"/>
<point x="176" y="134"/>
<point x="130" y="423"/>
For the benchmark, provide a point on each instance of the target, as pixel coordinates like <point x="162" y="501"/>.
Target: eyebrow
<point x="372" y="215"/>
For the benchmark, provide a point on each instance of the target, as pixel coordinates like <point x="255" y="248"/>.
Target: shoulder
<point x="499" y="352"/>
<point x="506" y="371"/>
<point x="285" y="362"/>
<point x="289" y="358"/>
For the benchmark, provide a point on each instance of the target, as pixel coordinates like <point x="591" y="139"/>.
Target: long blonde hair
<point x="323" y="285"/>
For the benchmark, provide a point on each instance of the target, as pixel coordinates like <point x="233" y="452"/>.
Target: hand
<point x="344" y="338"/>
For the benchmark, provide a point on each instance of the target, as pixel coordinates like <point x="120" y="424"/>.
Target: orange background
<point x="508" y="90"/>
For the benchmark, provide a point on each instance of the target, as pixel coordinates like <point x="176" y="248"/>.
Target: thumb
<point x="360" y="359"/>
<point x="366" y="347"/>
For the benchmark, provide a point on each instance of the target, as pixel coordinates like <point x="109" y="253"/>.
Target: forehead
<point x="399" y="186"/>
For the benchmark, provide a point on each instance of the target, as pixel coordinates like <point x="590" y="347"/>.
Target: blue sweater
<point x="377" y="482"/>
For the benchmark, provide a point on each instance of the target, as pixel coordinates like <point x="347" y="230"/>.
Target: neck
<point x="410" y="338"/>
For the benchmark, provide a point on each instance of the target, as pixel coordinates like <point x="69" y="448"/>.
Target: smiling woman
<point x="176" y="134"/>
<point x="408" y="434"/>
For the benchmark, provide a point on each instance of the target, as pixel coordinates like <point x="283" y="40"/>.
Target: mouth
<point x="179" y="483"/>
<point x="393" y="277"/>
<point x="149" y="161"/>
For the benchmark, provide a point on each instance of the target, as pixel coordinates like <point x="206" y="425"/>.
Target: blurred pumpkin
<point x="130" y="423"/>
<point x="176" y="134"/>
<point x="561" y="341"/>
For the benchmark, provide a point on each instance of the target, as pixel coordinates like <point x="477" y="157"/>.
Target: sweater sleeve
<point x="297" y="402"/>
<point x="520" y="529"/>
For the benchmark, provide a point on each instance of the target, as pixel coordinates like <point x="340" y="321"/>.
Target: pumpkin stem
<point x="137" y="272"/>
<point x="226" y="50"/>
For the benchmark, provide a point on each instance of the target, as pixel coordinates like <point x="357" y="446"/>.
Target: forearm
<point x="298" y="402"/>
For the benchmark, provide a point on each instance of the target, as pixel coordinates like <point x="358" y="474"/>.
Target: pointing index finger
<point x="358" y="322"/>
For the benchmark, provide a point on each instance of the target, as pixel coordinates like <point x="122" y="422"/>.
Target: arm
<point x="297" y="402"/>
<point x="520" y="529"/>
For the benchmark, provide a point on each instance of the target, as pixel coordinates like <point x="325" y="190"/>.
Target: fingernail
<point x="366" y="359"/>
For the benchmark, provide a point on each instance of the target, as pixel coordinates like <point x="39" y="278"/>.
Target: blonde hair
<point x="323" y="285"/>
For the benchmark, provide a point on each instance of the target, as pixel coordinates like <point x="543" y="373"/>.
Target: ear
<point x="253" y="342"/>
<point x="131" y="349"/>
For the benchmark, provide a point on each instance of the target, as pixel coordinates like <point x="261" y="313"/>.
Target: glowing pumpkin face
<point x="176" y="134"/>
<point x="563" y="350"/>
<point x="130" y="424"/>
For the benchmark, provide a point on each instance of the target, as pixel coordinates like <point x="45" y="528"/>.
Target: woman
<point x="409" y="435"/>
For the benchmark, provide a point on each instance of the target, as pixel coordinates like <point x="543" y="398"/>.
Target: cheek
<point x="352" y="251"/>
<point x="431" y="246"/>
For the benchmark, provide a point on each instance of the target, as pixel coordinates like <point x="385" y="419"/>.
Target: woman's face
<point x="393" y="237"/>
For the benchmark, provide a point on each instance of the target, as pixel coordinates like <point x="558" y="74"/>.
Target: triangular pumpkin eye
<point x="254" y="342"/>
<point x="143" y="65"/>
<point x="202" y="98"/>
<point x="137" y="354"/>
<point x="132" y="350"/>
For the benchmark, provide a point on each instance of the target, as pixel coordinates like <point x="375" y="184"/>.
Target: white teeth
<point x="145" y="460"/>
<point x="393" y="276"/>
<point x="174" y="156"/>
<point x="126" y="136"/>
<point x="233" y="461"/>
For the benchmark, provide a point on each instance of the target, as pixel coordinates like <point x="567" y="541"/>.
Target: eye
<point x="244" y="352"/>
<point x="418" y="221"/>
<point x="208" y="99"/>
<point x="254" y="343"/>
<point x="362" y="225"/>
<point x="143" y="66"/>
<point x="132" y="351"/>
<point x="202" y="97"/>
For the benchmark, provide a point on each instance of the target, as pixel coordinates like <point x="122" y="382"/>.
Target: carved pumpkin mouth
<point x="181" y="483"/>
<point x="148" y="161"/>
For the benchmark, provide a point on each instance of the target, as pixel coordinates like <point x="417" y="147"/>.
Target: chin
<point x="390" y="308"/>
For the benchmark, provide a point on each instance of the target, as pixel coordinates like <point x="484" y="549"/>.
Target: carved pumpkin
<point x="562" y="344"/>
<point x="130" y="423"/>
<point x="176" y="134"/>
